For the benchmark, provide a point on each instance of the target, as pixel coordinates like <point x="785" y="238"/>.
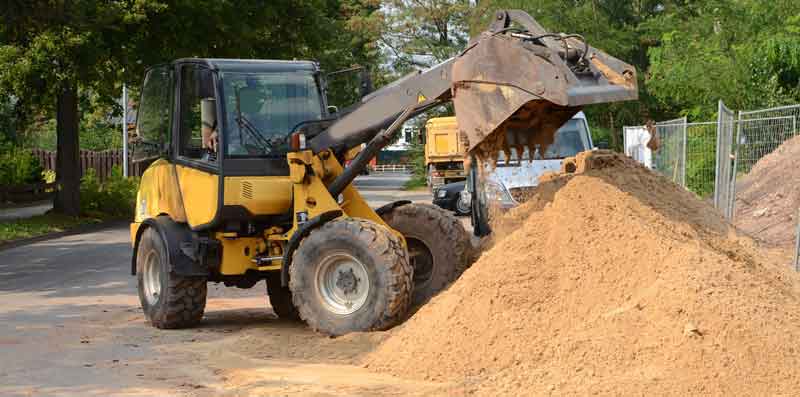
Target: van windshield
<point x="571" y="139"/>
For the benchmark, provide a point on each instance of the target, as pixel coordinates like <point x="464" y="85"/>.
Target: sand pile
<point x="616" y="282"/>
<point x="767" y="198"/>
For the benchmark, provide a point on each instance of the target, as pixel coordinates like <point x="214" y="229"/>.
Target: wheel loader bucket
<point x="515" y="85"/>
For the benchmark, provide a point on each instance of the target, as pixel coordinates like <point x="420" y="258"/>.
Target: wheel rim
<point x="461" y="206"/>
<point x="151" y="277"/>
<point x="421" y="260"/>
<point x="343" y="283"/>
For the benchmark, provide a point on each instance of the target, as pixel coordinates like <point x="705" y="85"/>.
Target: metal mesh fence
<point x="710" y="158"/>
<point x="758" y="133"/>
<point x="701" y="141"/>
<point x="723" y="181"/>
<point x="670" y="158"/>
<point x="687" y="154"/>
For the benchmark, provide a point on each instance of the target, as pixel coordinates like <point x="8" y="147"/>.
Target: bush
<point x="18" y="166"/>
<point x="114" y="197"/>
<point x="419" y="173"/>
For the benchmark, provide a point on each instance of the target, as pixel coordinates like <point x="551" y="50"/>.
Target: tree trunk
<point x="614" y="137"/>
<point x="68" y="166"/>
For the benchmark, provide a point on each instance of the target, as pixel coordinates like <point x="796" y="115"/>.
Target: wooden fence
<point x="101" y="161"/>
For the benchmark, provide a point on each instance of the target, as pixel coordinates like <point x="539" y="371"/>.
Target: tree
<point x="421" y="33"/>
<point x="49" y="50"/>
<point x="54" y="53"/>
<point x="742" y="52"/>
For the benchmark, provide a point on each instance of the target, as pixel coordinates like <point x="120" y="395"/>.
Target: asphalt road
<point x="71" y="324"/>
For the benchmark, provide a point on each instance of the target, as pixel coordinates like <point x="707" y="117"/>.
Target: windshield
<point x="571" y="139"/>
<point x="263" y="108"/>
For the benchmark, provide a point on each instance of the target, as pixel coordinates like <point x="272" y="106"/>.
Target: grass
<point x="416" y="182"/>
<point x="41" y="225"/>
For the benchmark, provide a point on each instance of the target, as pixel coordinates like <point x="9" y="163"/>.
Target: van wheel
<point x="351" y="275"/>
<point x="168" y="300"/>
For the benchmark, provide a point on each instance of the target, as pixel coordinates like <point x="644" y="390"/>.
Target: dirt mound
<point x="616" y="282"/>
<point x="767" y="198"/>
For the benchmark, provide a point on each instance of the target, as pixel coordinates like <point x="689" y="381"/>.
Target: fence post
<point x="722" y="173"/>
<point x="716" y="164"/>
<point x="736" y="141"/>
<point x="683" y="154"/>
<point x="797" y="244"/>
<point x="125" y="130"/>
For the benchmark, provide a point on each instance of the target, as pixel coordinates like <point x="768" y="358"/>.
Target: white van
<point x="507" y="184"/>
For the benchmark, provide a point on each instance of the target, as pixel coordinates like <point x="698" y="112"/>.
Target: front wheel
<point x="463" y="206"/>
<point x="168" y="300"/>
<point x="351" y="275"/>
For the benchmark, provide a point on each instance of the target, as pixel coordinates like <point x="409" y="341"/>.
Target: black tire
<point x="461" y="206"/>
<point x="381" y="258"/>
<point x="438" y="244"/>
<point x="280" y="298"/>
<point x="180" y="301"/>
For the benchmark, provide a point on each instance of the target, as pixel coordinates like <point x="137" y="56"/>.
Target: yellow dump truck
<point x="444" y="152"/>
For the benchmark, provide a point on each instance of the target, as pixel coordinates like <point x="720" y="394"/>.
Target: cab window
<point x="154" y="114"/>
<point x="199" y="129"/>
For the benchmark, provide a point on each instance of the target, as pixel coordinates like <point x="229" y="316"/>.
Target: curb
<point x="94" y="227"/>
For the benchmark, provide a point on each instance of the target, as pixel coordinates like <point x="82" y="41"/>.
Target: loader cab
<point x="217" y="130"/>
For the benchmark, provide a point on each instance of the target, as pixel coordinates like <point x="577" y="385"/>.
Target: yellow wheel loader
<point x="245" y="179"/>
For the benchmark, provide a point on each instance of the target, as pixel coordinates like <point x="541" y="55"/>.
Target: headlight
<point x="441" y="193"/>
<point x="497" y="193"/>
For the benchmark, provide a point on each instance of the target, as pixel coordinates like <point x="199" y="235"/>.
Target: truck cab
<point x="514" y="177"/>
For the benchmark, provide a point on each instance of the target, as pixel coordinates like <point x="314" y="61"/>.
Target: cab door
<point x="197" y="139"/>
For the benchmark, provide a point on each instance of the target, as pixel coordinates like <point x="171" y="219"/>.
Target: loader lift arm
<point x="513" y="86"/>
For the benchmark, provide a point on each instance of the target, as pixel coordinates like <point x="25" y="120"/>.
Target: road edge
<point x="82" y="229"/>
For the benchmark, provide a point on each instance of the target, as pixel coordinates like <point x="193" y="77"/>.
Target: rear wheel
<point x="351" y="275"/>
<point x="280" y="298"/>
<point x="438" y="246"/>
<point x="168" y="300"/>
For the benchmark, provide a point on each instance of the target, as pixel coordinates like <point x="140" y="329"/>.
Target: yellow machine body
<point x="190" y="196"/>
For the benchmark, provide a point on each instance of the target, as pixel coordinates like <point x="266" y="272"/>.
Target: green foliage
<point x="422" y="33"/>
<point x="742" y="52"/>
<point x="701" y="160"/>
<point x="419" y="173"/>
<point x="601" y="134"/>
<point x="55" y="49"/>
<point x="115" y="197"/>
<point x="8" y="120"/>
<point x="94" y="135"/>
<point x="18" y="166"/>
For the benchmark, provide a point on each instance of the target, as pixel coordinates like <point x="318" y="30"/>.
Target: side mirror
<point x="333" y="109"/>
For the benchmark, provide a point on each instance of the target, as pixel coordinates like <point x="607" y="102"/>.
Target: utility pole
<point x="124" y="130"/>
